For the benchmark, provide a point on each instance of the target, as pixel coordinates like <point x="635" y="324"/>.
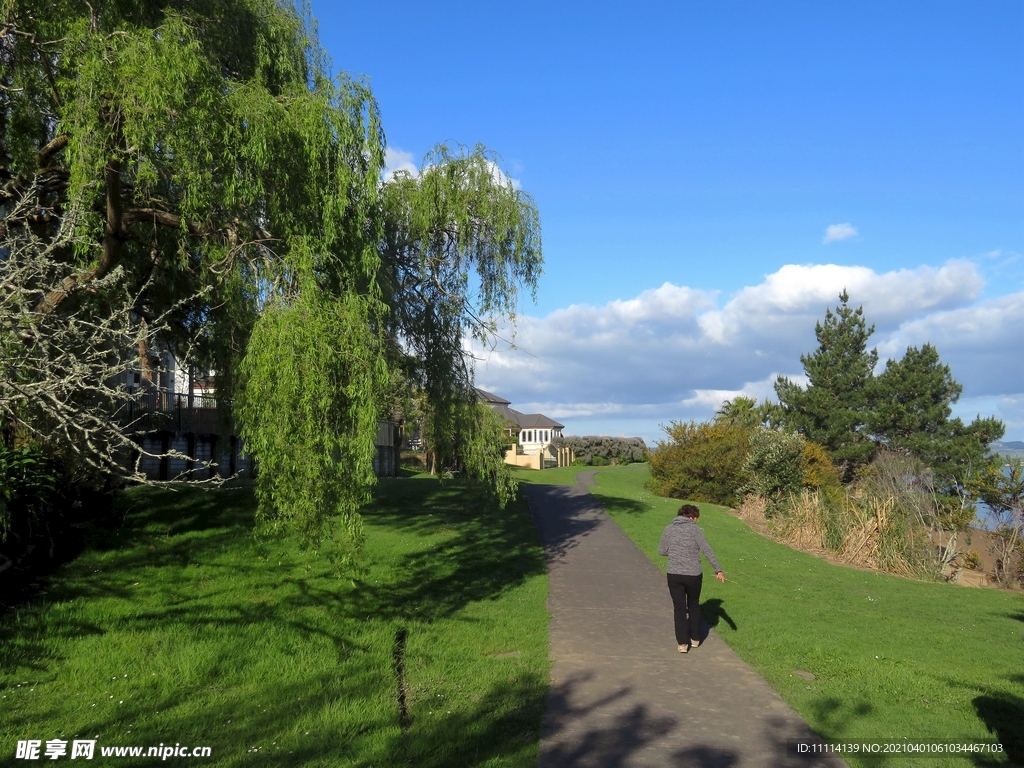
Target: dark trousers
<point x="685" y="591"/>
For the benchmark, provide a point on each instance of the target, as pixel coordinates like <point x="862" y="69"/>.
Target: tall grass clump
<point x="889" y="519"/>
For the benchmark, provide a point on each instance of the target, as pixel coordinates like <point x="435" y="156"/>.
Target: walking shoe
<point x="695" y="643"/>
<point x="683" y="649"/>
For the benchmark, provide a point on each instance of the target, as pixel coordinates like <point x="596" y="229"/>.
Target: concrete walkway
<point x="621" y="694"/>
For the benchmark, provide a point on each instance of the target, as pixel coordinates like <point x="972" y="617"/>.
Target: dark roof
<point x="491" y="398"/>
<point x="505" y="412"/>
<point x="522" y="420"/>
<point x="534" y="420"/>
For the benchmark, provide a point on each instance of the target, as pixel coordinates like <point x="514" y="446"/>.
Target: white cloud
<point x="712" y="399"/>
<point x="676" y="352"/>
<point x="836" y="232"/>
<point x="397" y="160"/>
<point x="982" y="343"/>
<point x="1008" y="407"/>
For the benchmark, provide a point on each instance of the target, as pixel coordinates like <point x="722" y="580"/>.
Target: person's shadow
<point x="713" y="613"/>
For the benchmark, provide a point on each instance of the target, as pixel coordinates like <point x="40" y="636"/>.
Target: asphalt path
<point x="621" y="694"/>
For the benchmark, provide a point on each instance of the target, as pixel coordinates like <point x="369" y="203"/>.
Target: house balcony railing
<point x="157" y="410"/>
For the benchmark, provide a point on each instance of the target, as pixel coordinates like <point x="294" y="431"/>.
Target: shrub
<point x="866" y="531"/>
<point x="610" y="450"/>
<point x="1001" y="488"/>
<point x="700" y="462"/>
<point x="819" y="471"/>
<point x="47" y="511"/>
<point x="27" y="488"/>
<point x="775" y="465"/>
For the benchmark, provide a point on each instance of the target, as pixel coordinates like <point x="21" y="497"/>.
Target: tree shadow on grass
<point x="297" y="724"/>
<point x="486" y="552"/>
<point x="148" y="541"/>
<point x="619" y="505"/>
<point x="836" y="715"/>
<point x="1003" y="715"/>
<point x="619" y="729"/>
<point x="478" y="551"/>
<point x="167" y="568"/>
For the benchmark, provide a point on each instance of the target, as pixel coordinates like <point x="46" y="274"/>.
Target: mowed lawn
<point x="892" y="658"/>
<point x="187" y="630"/>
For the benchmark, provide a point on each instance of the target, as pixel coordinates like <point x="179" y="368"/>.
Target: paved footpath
<point x="621" y="694"/>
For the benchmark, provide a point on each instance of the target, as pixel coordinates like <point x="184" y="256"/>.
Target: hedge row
<point x="597" y="450"/>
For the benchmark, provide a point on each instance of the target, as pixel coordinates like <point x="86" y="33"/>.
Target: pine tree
<point x="835" y="406"/>
<point x="913" y="397"/>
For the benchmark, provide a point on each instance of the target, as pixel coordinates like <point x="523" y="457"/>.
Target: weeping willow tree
<point x="236" y="187"/>
<point x="460" y="241"/>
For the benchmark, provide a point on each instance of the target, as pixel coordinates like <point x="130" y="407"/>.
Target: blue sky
<point x="709" y="146"/>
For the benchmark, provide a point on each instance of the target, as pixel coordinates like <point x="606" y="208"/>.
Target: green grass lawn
<point x="892" y="657"/>
<point x="187" y="630"/>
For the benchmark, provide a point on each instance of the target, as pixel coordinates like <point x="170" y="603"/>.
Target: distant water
<point x="983" y="518"/>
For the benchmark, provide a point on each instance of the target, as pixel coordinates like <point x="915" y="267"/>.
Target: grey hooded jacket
<point x="683" y="542"/>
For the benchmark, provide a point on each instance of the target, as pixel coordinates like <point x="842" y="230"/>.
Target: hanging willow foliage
<point x="460" y="242"/>
<point x="237" y="187"/>
<point x="213" y="154"/>
<point x="309" y="410"/>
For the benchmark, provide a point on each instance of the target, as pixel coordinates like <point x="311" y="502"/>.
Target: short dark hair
<point x="688" y="510"/>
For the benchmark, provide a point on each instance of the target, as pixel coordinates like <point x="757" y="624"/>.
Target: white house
<point x="533" y="431"/>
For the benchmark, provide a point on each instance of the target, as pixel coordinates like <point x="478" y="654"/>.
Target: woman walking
<point x="683" y="542"/>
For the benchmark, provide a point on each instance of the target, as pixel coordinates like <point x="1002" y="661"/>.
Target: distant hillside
<point x="1012" y="448"/>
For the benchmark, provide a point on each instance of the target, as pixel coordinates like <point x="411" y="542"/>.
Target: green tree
<point x="210" y="148"/>
<point x="459" y="243"/>
<point x="236" y="186"/>
<point x="913" y="398"/>
<point x="836" y="405"/>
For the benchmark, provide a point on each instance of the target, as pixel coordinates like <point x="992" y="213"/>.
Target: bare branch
<point x="63" y="376"/>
